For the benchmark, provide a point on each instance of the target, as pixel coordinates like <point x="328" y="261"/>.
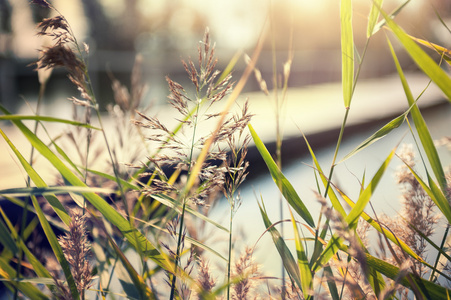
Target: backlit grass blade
<point x="347" y="51"/>
<point x="365" y="196"/>
<point x="284" y="252"/>
<point x="430" y="289"/>
<point x="435" y="194"/>
<point x="11" y="232"/>
<point x="9" y="273"/>
<point x="393" y="14"/>
<point x="39" y="182"/>
<point x="133" y="236"/>
<point x="373" y="16"/>
<point x="420" y="124"/>
<point x="56" y="247"/>
<point x="169" y="202"/>
<point x="333" y="198"/>
<point x="282" y="183"/>
<point x="421" y="58"/>
<point x="303" y="264"/>
<point x="387" y="233"/>
<point x="351" y="220"/>
<point x="46" y="119"/>
<point x="138" y="282"/>
<point x="382" y="132"/>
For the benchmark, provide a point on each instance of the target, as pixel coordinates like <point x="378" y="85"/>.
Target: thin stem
<point x="182" y="216"/>
<point x="27" y="199"/>
<point x="177" y="257"/>
<point x="230" y="251"/>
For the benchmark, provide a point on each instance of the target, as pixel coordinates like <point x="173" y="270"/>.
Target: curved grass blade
<point x="382" y="132"/>
<point x="138" y="282"/>
<point x="285" y="254"/>
<point x="303" y="264"/>
<point x="38" y="268"/>
<point x="282" y="183"/>
<point x="51" y="237"/>
<point x="372" y="18"/>
<point x="421" y="58"/>
<point x="347" y="51"/>
<point x="136" y="238"/>
<point x="169" y="202"/>
<point x="52" y="199"/>
<point x="351" y="220"/>
<point x="420" y="124"/>
<point x="387" y="233"/>
<point x="46" y="119"/>
<point x="392" y="15"/>
<point x="30" y="291"/>
<point x="430" y="289"/>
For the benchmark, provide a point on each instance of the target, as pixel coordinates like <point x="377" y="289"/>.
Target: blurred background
<point x="166" y="31"/>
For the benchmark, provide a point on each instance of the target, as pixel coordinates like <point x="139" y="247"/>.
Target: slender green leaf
<point x="51" y="237"/>
<point x="392" y="15"/>
<point x="347" y="51"/>
<point x="303" y="264"/>
<point x="169" y="202"/>
<point x="430" y="289"/>
<point x="9" y="274"/>
<point x="385" y="232"/>
<point x="421" y="58"/>
<point x="5" y="237"/>
<point x="52" y="199"/>
<point x="336" y="242"/>
<point x="47" y="119"/>
<point x="285" y="254"/>
<point x="37" y="266"/>
<point x="138" y="282"/>
<point x="420" y="124"/>
<point x="53" y="190"/>
<point x="372" y="18"/>
<point x="382" y="132"/>
<point x="136" y="238"/>
<point x="282" y="183"/>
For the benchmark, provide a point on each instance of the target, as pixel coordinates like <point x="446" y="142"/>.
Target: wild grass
<point x="143" y="224"/>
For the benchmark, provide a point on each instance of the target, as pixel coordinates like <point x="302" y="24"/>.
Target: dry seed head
<point x="42" y="3"/>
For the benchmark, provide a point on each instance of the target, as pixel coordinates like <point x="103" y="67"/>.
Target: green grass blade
<point x="430" y="289"/>
<point x="435" y="194"/>
<point x="365" y="196"/>
<point x="5" y="236"/>
<point x="333" y="198"/>
<point x="285" y="254"/>
<point x="387" y="233"/>
<point x="393" y="14"/>
<point x="133" y="236"/>
<point x="382" y="132"/>
<point x="46" y="119"/>
<point x="30" y="291"/>
<point x="34" y="176"/>
<point x="372" y="18"/>
<point x="56" y="247"/>
<point x="347" y="51"/>
<point x="421" y="58"/>
<point x="336" y="242"/>
<point x="303" y="264"/>
<point x="53" y="190"/>
<point x="138" y="282"/>
<point x="420" y="124"/>
<point x="39" y="269"/>
<point x="169" y="202"/>
<point x="282" y="183"/>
